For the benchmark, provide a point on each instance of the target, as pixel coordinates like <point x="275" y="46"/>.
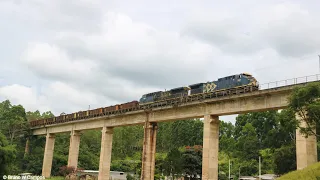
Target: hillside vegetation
<point x="311" y="172"/>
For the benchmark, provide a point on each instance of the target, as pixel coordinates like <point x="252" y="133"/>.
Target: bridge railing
<point x="287" y="82"/>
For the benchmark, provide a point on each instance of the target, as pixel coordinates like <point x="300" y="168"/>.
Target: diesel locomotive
<point x="235" y="84"/>
<point x="226" y="83"/>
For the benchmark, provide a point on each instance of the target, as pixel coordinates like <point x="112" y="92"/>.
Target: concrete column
<point x="306" y="148"/>
<point x="27" y="148"/>
<point x="149" y="151"/>
<point x="153" y="150"/>
<point x="74" y="149"/>
<point x="105" y="153"/>
<point x="210" y="148"/>
<point x="48" y="155"/>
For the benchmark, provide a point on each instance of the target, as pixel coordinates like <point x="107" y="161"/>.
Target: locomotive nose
<point x="255" y="82"/>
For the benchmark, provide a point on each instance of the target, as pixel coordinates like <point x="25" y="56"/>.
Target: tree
<point x="32" y="162"/>
<point x="285" y="159"/>
<point x="264" y="123"/>
<point x="13" y="120"/>
<point x="7" y="155"/>
<point x="286" y="131"/>
<point x="192" y="162"/>
<point x="173" y="163"/>
<point x="31" y="116"/>
<point x="178" y="134"/>
<point x="226" y="137"/>
<point x="267" y="161"/>
<point x="37" y="115"/>
<point x="126" y="141"/>
<point x="305" y="101"/>
<point x="248" y="144"/>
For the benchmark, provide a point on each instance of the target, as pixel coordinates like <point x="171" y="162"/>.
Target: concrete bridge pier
<point x="74" y="149"/>
<point x="105" y="153"/>
<point x="149" y="151"/>
<point x="48" y="155"/>
<point x="306" y="148"/>
<point x="210" y="147"/>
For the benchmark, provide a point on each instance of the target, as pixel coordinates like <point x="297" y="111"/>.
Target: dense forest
<point x="270" y="135"/>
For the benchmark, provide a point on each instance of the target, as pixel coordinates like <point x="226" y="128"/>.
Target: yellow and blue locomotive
<point x="243" y="80"/>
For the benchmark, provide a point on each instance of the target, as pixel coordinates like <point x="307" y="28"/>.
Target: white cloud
<point x="51" y="61"/>
<point x="57" y="97"/>
<point x="79" y="53"/>
<point x="23" y="95"/>
<point x="285" y="27"/>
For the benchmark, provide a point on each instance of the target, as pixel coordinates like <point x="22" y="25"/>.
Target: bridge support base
<point x="210" y="147"/>
<point x="306" y="148"/>
<point x="105" y="153"/>
<point x="48" y="155"/>
<point x="149" y="151"/>
<point x="74" y="149"/>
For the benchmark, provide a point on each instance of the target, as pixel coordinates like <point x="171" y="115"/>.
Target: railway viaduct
<point x="210" y="110"/>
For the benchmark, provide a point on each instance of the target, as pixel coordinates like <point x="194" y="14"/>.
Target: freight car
<point x="239" y="83"/>
<point x="119" y="108"/>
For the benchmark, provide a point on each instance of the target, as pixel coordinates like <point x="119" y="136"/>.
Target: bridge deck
<point x="269" y="99"/>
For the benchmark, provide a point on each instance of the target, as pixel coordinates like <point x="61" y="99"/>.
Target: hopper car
<point x="235" y="84"/>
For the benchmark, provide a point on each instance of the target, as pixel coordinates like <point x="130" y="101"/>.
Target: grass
<point x="56" y="178"/>
<point x="311" y="172"/>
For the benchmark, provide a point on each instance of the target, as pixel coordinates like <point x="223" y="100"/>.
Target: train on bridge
<point x="235" y="84"/>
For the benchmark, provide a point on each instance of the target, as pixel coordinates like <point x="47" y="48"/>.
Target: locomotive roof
<point x="247" y="74"/>
<point x="153" y="93"/>
<point x="179" y="88"/>
<point x="195" y="84"/>
<point x="232" y="76"/>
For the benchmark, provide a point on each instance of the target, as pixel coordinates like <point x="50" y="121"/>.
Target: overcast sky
<point x="66" y="55"/>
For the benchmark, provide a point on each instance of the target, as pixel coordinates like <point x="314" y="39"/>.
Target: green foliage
<point x="305" y="101"/>
<point x="7" y="154"/>
<point x="226" y="139"/>
<point x="222" y="176"/>
<point x="32" y="162"/>
<point x="160" y="164"/>
<point x="249" y="167"/>
<point x="266" y="125"/>
<point x="318" y="148"/>
<point x="192" y="163"/>
<point x="89" y="151"/>
<point x="126" y="141"/>
<point x="31" y="116"/>
<point x="56" y="178"/>
<point x="178" y="134"/>
<point x="13" y="120"/>
<point x="248" y="144"/>
<point x="267" y="161"/>
<point x="173" y="163"/>
<point x="130" y="177"/>
<point x="285" y="159"/>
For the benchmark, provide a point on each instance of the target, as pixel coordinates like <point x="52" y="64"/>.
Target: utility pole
<point x="319" y="63"/>
<point x="229" y="169"/>
<point x="259" y="167"/>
